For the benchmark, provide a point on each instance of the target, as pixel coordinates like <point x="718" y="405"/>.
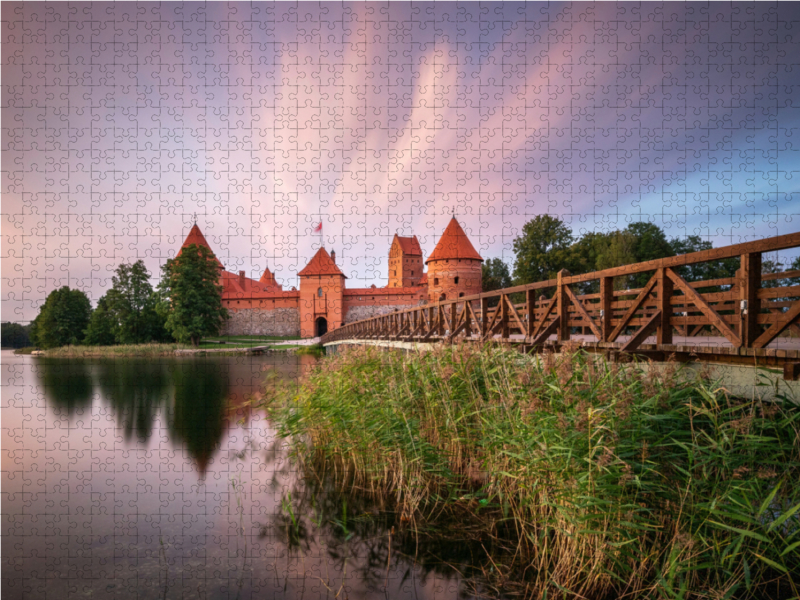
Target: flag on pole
<point x="318" y="228"/>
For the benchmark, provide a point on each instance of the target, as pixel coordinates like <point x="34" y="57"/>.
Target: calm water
<point x="130" y="478"/>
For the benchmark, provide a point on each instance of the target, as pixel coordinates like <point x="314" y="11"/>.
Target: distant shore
<point x="162" y="350"/>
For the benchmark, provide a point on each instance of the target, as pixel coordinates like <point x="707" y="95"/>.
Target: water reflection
<point x="197" y="416"/>
<point x="136" y="390"/>
<point x="152" y="478"/>
<point x="66" y="384"/>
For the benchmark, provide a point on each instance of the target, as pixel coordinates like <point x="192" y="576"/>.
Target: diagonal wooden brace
<point x="582" y="311"/>
<point x="783" y="321"/>
<point x="644" y="332"/>
<point x="704" y="307"/>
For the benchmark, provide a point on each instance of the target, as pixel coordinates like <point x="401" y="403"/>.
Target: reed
<point x="114" y="351"/>
<point x="611" y="482"/>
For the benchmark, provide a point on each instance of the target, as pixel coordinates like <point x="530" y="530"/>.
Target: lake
<point x="134" y="478"/>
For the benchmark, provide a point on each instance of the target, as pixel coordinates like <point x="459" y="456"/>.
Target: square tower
<point x="405" y="262"/>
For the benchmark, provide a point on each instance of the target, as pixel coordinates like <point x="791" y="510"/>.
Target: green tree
<point x="192" y="296"/>
<point x="650" y="242"/>
<point x="495" y="275"/>
<point x="133" y="304"/>
<point x="702" y="271"/>
<point x="103" y="323"/>
<point x="618" y="252"/>
<point x="14" y="335"/>
<point x="62" y="319"/>
<point x="542" y="250"/>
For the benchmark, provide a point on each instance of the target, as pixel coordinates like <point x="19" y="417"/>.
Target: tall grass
<point x="610" y="482"/>
<point x="112" y="351"/>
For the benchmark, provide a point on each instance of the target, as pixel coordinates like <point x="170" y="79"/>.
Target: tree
<point x="133" y="304"/>
<point x="650" y="242"/>
<point x="702" y="271"/>
<point x="14" y="335"/>
<point x="192" y="296"/>
<point x="542" y="250"/>
<point x="103" y="322"/>
<point x="618" y="252"/>
<point x="62" y="319"/>
<point x="495" y="275"/>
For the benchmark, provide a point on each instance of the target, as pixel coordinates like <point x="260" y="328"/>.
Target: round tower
<point x="454" y="266"/>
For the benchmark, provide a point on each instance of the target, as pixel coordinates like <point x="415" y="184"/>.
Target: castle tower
<point x="197" y="238"/>
<point x="405" y="262"/>
<point x="454" y="266"/>
<point x="321" y="292"/>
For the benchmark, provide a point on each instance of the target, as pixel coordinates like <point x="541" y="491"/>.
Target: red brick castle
<point x="324" y="302"/>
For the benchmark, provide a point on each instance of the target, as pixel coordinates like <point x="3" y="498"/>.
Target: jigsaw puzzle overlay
<point x="314" y="146"/>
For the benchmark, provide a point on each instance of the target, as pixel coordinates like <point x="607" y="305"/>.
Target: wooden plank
<point x="546" y="332"/>
<point x="504" y="303"/>
<point x="490" y="327"/>
<point x="563" y="314"/>
<point x="606" y="311"/>
<point x="513" y="312"/>
<point x="582" y="311"/>
<point x="792" y="291"/>
<point x="530" y="312"/>
<point x="791" y="371"/>
<point x="748" y="284"/>
<point x="784" y="275"/>
<point x="664" y="291"/>
<point x="644" y="332"/>
<point x="700" y="303"/>
<point x="786" y="319"/>
<point x="545" y="316"/>
<point x="484" y="317"/>
<point x="632" y="310"/>
<point x="781" y="242"/>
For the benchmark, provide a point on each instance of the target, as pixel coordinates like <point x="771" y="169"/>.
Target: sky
<point x="122" y="123"/>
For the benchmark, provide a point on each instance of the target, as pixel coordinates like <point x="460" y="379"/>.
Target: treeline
<point x="185" y="306"/>
<point x="547" y="245"/>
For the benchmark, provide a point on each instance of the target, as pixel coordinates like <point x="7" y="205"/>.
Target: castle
<point x="324" y="302"/>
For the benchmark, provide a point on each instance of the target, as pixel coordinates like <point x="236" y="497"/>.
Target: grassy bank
<point x="114" y="351"/>
<point x="604" y="482"/>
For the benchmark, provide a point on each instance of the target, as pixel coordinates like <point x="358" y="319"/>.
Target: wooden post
<point x="606" y="300"/>
<point x="563" y="313"/>
<point x="749" y="304"/>
<point x="665" y="288"/>
<point x="504" y="316"/>
<point x="484" y="321"/>
<point x="530" y="308"/>
<point x="453" y="316"/>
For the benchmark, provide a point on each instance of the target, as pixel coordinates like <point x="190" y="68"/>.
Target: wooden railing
<point x="735" y="316"/>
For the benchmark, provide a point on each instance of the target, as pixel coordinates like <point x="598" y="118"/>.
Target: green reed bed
<point x="114" y="351"/>
<point x="610" y="482"/>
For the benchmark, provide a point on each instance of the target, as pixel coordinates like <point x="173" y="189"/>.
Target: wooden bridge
<point x="741" y="319"/>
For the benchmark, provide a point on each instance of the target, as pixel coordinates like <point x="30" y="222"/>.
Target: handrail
<point x="745" y="314"/>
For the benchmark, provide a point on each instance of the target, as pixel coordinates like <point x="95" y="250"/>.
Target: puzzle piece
<point x="341" y="161"/>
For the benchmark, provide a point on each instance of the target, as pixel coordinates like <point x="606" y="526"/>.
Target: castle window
<point x="456" y="280"/>
<point x="319" y="292"/>
<point x="435" y="281"/>
<point x="461" y="295"/>
<point x="412" y="273"/>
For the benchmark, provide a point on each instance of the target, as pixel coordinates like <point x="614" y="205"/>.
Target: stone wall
<point x="359" y="313"/>
<point x="262" y="321"/>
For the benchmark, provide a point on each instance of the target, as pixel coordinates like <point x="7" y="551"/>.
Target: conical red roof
<point x="268" y="279"/>
<point x="196" y="237"/>
<point x="454" y="243"/>
<point x="321" y="264"/>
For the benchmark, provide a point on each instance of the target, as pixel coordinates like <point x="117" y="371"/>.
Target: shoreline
<point x="162" y="350"/>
